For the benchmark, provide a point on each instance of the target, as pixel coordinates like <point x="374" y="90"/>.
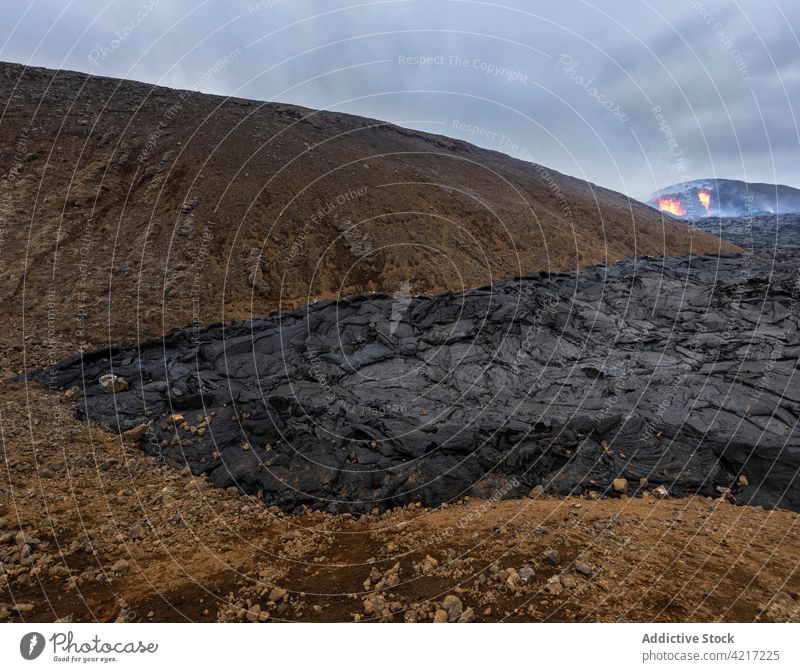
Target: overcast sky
<point x="573" y="85"/>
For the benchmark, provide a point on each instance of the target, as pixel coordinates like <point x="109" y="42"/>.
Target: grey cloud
<point x="563" y="121"/>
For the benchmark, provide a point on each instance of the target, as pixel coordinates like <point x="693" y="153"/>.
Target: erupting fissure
<point x="671" y="205"/>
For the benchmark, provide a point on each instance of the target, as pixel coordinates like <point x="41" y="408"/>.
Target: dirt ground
<point x="92" y="529"/>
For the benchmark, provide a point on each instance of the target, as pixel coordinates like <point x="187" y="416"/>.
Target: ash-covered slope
<point x="696" y="199"/>
<point x="677" y="371"/>
<point x="130" y="209"/>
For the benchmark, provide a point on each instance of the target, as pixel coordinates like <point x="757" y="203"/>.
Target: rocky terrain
<point x="129" y="210"/>
<point x="92" y="529"/>
<point x="674" y="374"/>
<point x="513" y="450"/>
<point x="761" y="232"/>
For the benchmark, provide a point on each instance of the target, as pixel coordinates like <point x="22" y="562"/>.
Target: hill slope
<point x="128" y="210"/>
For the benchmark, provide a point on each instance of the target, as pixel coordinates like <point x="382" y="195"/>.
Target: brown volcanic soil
<point x="129" y="210"/>
<point x="90" y="499"/>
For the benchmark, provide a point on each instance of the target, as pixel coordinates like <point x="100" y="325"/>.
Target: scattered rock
<point x="440" y="616"/>
<point x="552" y="556"/>
<point x="568" y="581"/>
<point x="453" y="606"/>
<point x="512" y="578"/>
<point x="583" y="568"/>
<point x="468" y="616"/>
<point x="620" y="485"/>
<point x="661" y="492"/>
<point x="742" y="480"/>
<point x="121" y="567"/>
<point x="429" y="564"/>
<point x="554" y="586"/>
<point x="133" y="435"/>
<point x="277" y="594"/>
<point x="111" y="383"/>
<point x="526" y="573"/>
<point x="136" y="532"/>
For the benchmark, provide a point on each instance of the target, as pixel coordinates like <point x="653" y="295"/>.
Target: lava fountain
<point x="705" y="200"/>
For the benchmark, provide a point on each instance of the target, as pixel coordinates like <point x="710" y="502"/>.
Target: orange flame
<point x="672" y="206"/>
<point x="705" y="200"/>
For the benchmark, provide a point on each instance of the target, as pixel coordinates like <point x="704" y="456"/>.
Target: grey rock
<point x="526" y="573"/>
<point x="121" y="567"/>
<point x="552" y="556"/>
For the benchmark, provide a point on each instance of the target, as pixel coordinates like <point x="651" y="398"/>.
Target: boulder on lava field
<point x="111" y="383"/>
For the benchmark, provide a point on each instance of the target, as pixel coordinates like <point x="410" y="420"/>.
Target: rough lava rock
<point x="675" y="372"/>
<point x="758" y="231"/>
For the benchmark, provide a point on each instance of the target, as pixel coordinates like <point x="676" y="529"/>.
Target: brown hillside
<point x="128" y="210"/>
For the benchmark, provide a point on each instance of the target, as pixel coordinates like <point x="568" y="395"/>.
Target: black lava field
<point x="675" y="372"/>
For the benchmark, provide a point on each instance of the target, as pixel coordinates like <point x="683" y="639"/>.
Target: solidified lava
<point x="677" y="372"/>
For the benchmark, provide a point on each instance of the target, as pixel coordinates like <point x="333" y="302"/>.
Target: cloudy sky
<point x="630" y="94"/>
